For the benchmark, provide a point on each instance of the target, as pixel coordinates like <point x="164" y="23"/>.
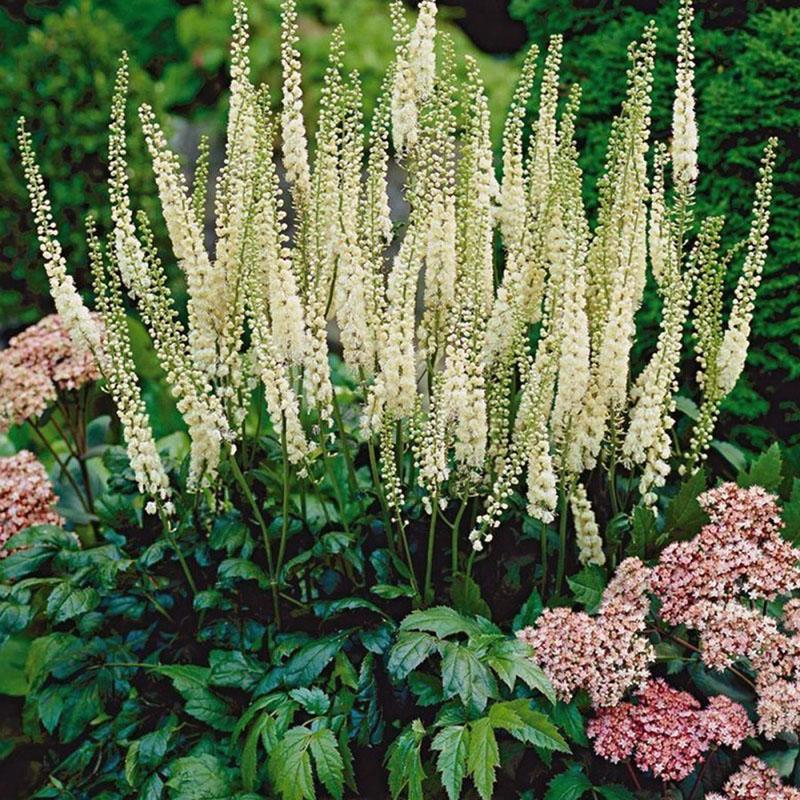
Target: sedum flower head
<point x="39" y="362"/>
<point x="666" y="731"/>
<point x="754" y="780"/>
<point x="26" y="496"/>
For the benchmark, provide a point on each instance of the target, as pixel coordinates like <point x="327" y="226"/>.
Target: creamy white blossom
<point x="587" y="532"/>
<point x="684" y="124"/>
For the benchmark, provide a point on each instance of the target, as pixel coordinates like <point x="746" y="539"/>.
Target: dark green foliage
<point x="119" y="681"/>
<point x="748" y="68"/>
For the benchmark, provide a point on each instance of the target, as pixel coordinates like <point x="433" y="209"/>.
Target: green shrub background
<point x="748" y="71"/>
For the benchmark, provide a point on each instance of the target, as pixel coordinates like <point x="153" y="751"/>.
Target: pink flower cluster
<point x="666" y="731"/>
<point x="38" y="363"/>
<point x="739" y="553"/>
<point x="26" y="496"/>
<point x="604" y="654"/>
<point x="755" y="781"/>
<point x="710" y="582"/>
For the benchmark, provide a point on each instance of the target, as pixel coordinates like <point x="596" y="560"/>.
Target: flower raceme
<point x="507" y="370"/>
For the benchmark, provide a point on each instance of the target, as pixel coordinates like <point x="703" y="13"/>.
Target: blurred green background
<point x="57" y="61"/>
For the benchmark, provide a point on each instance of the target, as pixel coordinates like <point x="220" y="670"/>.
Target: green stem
<point x="545" y="560"/>
<point x="470" y="561"/>
<point x="61" y="465"/>
<point x="407" y="550"/>
<point x="348" y="458"/>
<point x="376" y="482"/>
<point x="285" y="502"/>
<point x="337" y="491"/>
<point x="454" y="537"/>
<point x="240" y="479"/>
<point x="428" y="593"/>
<point x="174" y="545"/>
<point x="612" y="486"/>
<point x="562" y="539"/>
<point x="259" y="423"/>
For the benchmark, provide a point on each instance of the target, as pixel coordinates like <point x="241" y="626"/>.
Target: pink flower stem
<point x="634" y="778"/>
<point x="699" y="778"/>
<point x="734" y="671"/>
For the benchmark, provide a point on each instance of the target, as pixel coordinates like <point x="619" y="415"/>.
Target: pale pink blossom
<point x="739" y="553"/>
<point x="37" y="364"/>
<point x="666" y="732"/>
<point x="755" y="781"/>
<point x="604" y="654"/>
<point x="26" y="496"/>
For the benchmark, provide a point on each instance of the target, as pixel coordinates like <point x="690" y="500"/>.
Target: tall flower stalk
<point x="478" y="377"/>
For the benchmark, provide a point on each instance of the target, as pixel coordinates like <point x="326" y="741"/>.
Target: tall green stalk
<point x="455" y="533"/>
<point x="562" y="537"/>
<point x="240" y="479"/>
<point x="427" y="595"/>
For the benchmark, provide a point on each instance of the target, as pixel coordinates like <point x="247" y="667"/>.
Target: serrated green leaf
<point x="442" y="621"/>
<point x="405" y="762"/>
<point x="153" y="746"/>
<point x="539" y="730"/>
<point x="731" y="453"/>
<point x="209" y="598"/>
<point x="791" y="514"/>
<point x="228" y="532"/>
<point x="152" y="788"/>
<point x="328" y="761"/>
<point x="313" y="700"/>
<point x="452" y="743"/>
<point x="201" y="777"/>
<point x="569" y="718"/>
<point x="467" y="597"/>
<point x="242" y="569"/>
<point x="782" y="761"/>
<point x="290" y="765"/>
<point x="249" y="762"/>
<point x="529" y="612"/>
<point x="711" y="682"/>
<point x="587" y="586"/>
<point x="644" y="531"/>
<point x="410" y="650"/>
<point x="347" y="759"/>
<point x="504" y="717"/>
<point x="325" y="609"/>
<point x="67" y="601"/>
<point x="684" y="515"/>
<point x="132" y="764"/>
<point x="465" y="675"/>
<point x="511" y="660"/>
<point x="570" y="785"/>
<point x="200" y="702"/>
<point x="234" y="669"/>
<point x="391" y="592"/>
<point x="13" y="657"/>
<point x="14" y="617"/>
<point x="483" y="757"/>
<point x="427" y="688"/>
<point x="309" y="661"/>
<point x="533" y="676"/>
<point x="82" y="706"/>
<point x="765" y="471"/>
